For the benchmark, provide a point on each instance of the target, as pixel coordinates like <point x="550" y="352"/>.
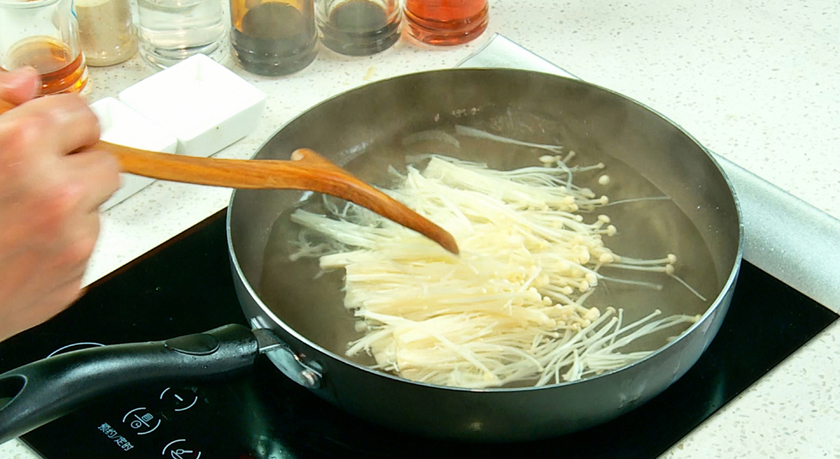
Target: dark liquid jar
<point x="273" y="37"/>
<point x="359" y="27"/>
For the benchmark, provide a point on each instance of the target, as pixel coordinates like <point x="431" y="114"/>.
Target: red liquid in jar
<point x="446" y="22"/>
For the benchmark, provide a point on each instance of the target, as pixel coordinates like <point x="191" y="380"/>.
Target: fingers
<point x="35" y="288"/>
<point x="48" y="305"/>
<point x="98" y="172"/>
<point x="64" y="205"/>
<point x="51" y="186"/>
<point x="55" y="124"/>
<point x="19" y="86"/>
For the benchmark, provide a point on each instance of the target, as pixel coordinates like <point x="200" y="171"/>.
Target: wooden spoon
<point x="307" y="170"/>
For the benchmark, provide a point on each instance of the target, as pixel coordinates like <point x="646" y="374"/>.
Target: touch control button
<point x="178" y="400"/>
<point x="197" y="344"/>
<point x="179" y="449"/>
<point x="141" y="420"/>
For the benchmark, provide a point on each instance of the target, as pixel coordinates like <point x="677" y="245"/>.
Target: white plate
<point x="205" y="105"/>
<point x="123" y="126"/>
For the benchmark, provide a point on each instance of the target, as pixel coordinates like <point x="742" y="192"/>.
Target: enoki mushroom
<point x="511" y="307"/>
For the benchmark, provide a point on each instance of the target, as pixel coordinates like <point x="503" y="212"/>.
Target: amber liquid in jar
<point x="60" y="70"/>
<point x="273" y="38"/>
<point x="360" y="28"/>
<point x="446" y="22"/>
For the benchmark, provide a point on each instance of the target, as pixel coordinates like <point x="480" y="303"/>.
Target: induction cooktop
<point x="185" y="286"/>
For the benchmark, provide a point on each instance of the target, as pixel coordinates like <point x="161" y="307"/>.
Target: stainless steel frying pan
<point x="645" y="154"/>
<point x="300" y="323"/>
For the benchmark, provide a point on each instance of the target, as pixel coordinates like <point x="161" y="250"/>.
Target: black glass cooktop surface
<point x="185" y="286"/>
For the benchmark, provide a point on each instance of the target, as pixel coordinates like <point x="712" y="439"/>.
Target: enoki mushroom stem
<point x="512" y="307"/>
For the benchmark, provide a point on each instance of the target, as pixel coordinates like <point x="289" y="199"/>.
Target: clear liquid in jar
<point x="173" y="30"/>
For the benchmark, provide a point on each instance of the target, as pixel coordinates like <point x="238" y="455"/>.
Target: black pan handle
<point x="39" y="392"/>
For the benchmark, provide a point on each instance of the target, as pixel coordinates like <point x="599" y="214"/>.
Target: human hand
<point x="51" y="188"/>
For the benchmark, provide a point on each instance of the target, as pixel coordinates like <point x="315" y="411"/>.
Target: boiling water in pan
<point x="311" y="301"/>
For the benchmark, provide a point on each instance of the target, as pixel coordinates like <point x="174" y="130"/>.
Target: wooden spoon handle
<point x="306" y="171"/>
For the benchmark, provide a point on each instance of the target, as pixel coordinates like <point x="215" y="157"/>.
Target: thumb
<point x="20" y="85"/>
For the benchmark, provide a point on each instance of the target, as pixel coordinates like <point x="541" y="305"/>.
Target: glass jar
<point x="359" y="27"/>
<point x="446" y="22"/>
<point x="106" y="31"/>
<point x="173" y="30"/>
<point x="43" y="34"/>
<point x="273" y="37"/>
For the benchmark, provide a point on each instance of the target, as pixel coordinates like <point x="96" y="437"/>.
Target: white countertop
<point x="757" y="82"/>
